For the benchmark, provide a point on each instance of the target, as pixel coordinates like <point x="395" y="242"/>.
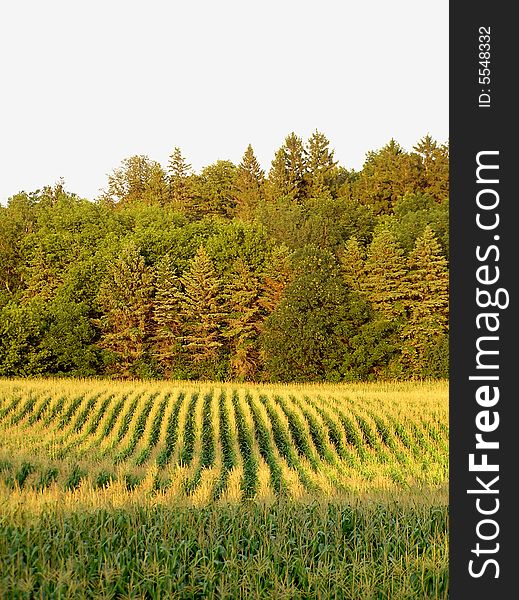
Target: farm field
<point x="194" y="490"/>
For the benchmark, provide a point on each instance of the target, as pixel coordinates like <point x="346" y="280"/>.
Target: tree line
<point x="309" y="272"/>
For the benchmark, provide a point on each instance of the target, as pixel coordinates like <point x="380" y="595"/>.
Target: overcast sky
<point x="87" y="84"/>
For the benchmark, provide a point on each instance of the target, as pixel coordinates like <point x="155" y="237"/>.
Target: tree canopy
<point x="308" y="272"/>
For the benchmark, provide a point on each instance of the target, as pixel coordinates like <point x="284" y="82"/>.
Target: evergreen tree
<point x="296" y="160"/>
<point x="435" y="163"/>
<point x="352" y="264"/>
<point x="125" y="299"/>
<point x="277" y="275"/>
<point x="429" y="301"/>
<point x="278" y="186"/>
<point x="179" y="172"/>
<point x="428" y="276"/>
<point x="287" y="173"/>
<point x="73" y="303"/>
<point x="242" y="305"/>
<point x="249" y="183"/>
<point x="166" y="314"/>
<point x="388" y="175"/>
<point x="384" y="283"/>
<point x="201" y="312"/>
<point x="321" y="166"/>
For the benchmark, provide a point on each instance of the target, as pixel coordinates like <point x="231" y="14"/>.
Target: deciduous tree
<point x="307" y="337"/>
<point x="138" y="179"/>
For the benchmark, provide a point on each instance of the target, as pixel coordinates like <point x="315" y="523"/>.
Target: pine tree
<point x="200" y="310"/>
<point x="429" y="300"/>
<point x="352" y="264"/>
<point x="166" y="314"/>
<point x="249" y="183"/>
<point x="321" y="165"/>
<point x="296" y="157"/>
<point x="278" y="178"/>
<point x="287" y="173"/>
<point x="242" y="305"/>
<point x="179" y="171"/>
<point x="277" y="275"/>
<point x="386" y="176"/>
<point x="384" y="283"/>
<point x="125" y="298"/>
<point x="435" y="162"/>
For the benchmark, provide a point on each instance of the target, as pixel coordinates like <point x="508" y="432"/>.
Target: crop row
<point x="322" y="442"/>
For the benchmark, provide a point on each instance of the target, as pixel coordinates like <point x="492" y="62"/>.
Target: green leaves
<point x="179" y="274"/>
<point x="307" y="336"/>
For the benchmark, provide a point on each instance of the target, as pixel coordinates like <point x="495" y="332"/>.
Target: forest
<point x="307" y="272"/>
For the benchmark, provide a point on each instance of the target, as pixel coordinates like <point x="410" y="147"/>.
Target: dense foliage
<point x="280" y="551"/>
<point x="310" y="272"/>
<point x="202" y="442"/>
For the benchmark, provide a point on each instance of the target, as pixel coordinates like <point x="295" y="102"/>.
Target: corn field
<point x="194" y="490"/>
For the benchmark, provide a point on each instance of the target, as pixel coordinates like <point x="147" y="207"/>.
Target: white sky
<point x="85" y="84"/>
